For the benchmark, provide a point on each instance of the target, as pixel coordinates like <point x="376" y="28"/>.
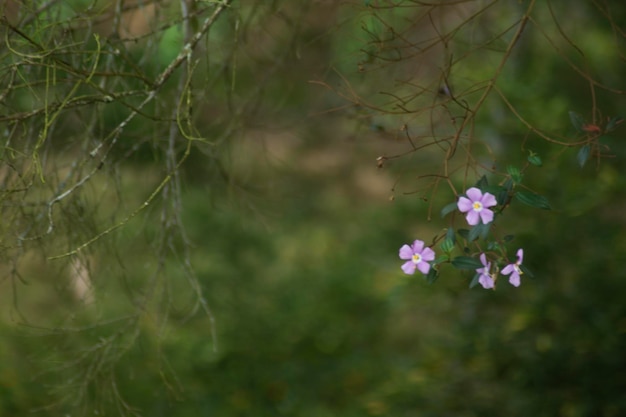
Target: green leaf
<point x="515" y="174"/>
<point x="464" y="233"/>
<point x="482" y="182"/>
<point x="441" y="259"/>
<point x="474" y="281"/>
<point x="493" y="246"/>
<point x="535" y="159"/>
<point x="613" y="123"/>
<point x="483" y="229"/>
<point x="583" y="155"/>
<point x="449" y="208"/>
<point x="508" y="184"/>
<point x="466" y="262"/>
<point x="480" y="230"/>
<point x="493" y="189"/>
<point x="526" y="271"/>
<point x="447" y="245"/>
<point x="512" y="170"/>
<point x="450" y="235"/>
<point x="503" y="197"/>
<point x="432" y="276"/>
<point x="577" y="121"/>
<point x="533" y="200"/>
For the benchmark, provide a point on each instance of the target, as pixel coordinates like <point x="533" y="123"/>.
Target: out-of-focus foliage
<point x="231" y="247"/>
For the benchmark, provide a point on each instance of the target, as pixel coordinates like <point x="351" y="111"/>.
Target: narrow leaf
<point x="480" y="230"/>
<point x="441" y="259"/>
<point x="493" y="246"/>
<point x="515" y="173"/>
<point x="577" y="121"/>
<point x="474" y="281"/>
<point x="535" y="159"/>
<point x="493" y="189"/>
<point x="473" y="234"/>
<point x="512" y="169"/>
<point x="482" y="182"/>
<point x="583" y="155"/>
<point x="484" y="230"/>
<point x="613" y="123"/>
<point x="449" y="208"/>
<point x="527" y="271"/>
<point x="432" y="275"/>
<point x="466" y="262"/>
<point x="533" y="200"/>
<point x="447" y="245"/>
<point x="450" y="235"/>
<point x="502" y="197"/>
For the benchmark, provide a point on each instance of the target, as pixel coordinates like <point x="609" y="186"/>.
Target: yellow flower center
<point x="417" y="258"/>
<point x="477" y="206"/>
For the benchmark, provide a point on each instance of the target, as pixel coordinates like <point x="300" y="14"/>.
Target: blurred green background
<point x="284" y="225"/>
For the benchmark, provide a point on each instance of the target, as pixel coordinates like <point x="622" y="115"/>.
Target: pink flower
<point x="417" y="257"/>
<point x="485" y="278"/>
<point x="514" y="269"/>
<point x="476" y="206"/>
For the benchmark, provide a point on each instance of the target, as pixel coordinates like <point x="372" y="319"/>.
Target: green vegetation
<point x="208" y="231"/>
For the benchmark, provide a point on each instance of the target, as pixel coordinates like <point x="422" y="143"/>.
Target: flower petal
<point x="417" y="247"/>
<point x="406" y="252"/>
<point x="424" y="267"/>
<point x="474" y="194"/>
<point x="464" y="205"/>
<point x="486" y="215"/>
<point x="408" y="268"/>
<point x="486" y="281"/>
<point x="489" y="200"/>
<point x="520" y="256"/>
<point x="514" y="280"/>
<point x="508" y="269"/>
<point x="483" y="260"/>
<point x="472" y="218"/>
<point x="428" y="254"/>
